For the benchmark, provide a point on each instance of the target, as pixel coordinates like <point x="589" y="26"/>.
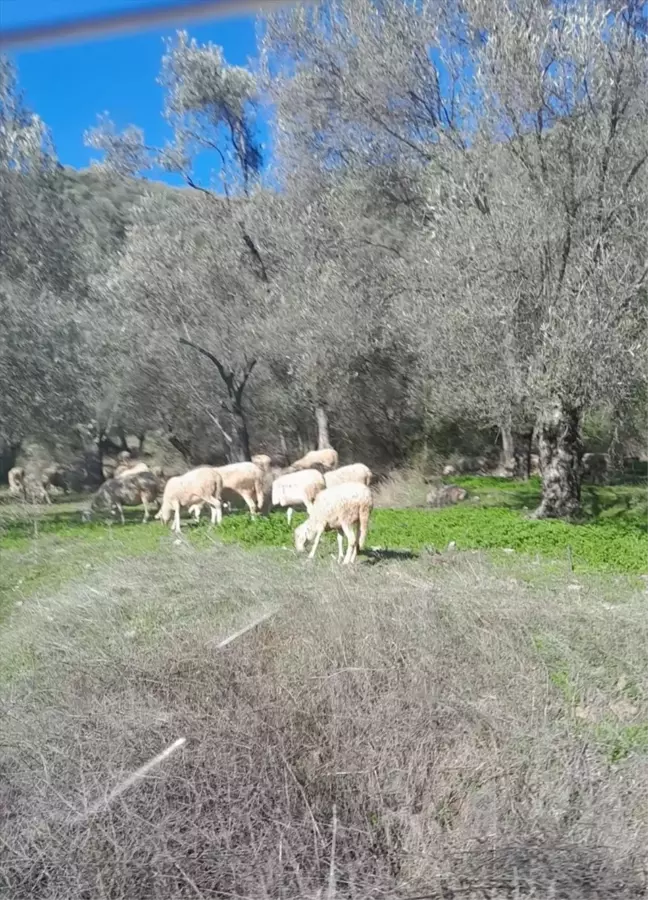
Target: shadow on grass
<point x="622" y="504"/>
<point x="376" y="556"/>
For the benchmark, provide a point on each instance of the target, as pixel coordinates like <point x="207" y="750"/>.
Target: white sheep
<point x="263" y="461"/>
<point x="27" y="485"/>
<point x="130" y="468"/>
<point x="245" y="479"/>
<point x="327" y="459"/>
<point x="193" y="489"/>
<point x="55" y="476"/>
<point x="356" y="473"/>
<point x="16" y="479"/>
<point x="116" y="493"/>
<point x="340" y="508"/>
<point x="297" y="489"/>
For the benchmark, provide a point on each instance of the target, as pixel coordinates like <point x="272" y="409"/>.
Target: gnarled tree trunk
<point x="323" y="439"/>
<point x="508" y="460"/>
<point x="238" y="447"/>
<point x="561" y="450"/>
<point x="523" y="455"/>
<point x="238" y="439"/>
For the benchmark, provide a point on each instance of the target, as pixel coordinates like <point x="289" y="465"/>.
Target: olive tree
<point x="552" y="240"/>
<point x="521" y="129"/>
<point x="212" y="276"/>
<point x="42" y="279"/>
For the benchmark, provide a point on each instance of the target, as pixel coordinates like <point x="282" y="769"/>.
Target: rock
<point x="452" y="546"/>
<point x="449" y="470"/>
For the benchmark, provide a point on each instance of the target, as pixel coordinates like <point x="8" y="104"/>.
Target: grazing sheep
<point x="27" y="485"/>
<point x="341" y="507"/>
<point x="16" y="478"/>
<point x="130" y="468"/>
<point x="446" y="495"/>
<point x="55" y="476"/>
<point x="327" y="459"/>
<point x="116" y="493"/>
<point x="263" y="461"/>
<point x="596" y="467"/>
<point x="356" y="473"/>
<point x="192" y="490"/>
<point x="297" y="489"/>
<point x="245" y="479"/>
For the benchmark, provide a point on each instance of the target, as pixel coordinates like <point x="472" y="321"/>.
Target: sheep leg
<point x="249" y="499"/>
<point x="216" y="510"/>
<point x="350" y="532"/>
<point x="340" y="543"/>
<point x="318" y="535"/>
<point x="176" y="517"/>
<point x="146" y="510"/>
<point x="121" y="513"/>
<point x="48" y="499"/>
<point x="289" y="514"/>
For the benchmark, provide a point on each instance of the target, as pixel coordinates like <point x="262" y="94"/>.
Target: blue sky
<point x="69" y="84"/>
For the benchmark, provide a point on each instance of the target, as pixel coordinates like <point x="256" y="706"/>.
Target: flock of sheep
<point x="335" y="498"/>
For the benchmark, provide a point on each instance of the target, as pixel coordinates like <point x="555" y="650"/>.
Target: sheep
<point x="327" y="459"/>
<point x="193" y="489"/>
<point x="297" y="489"/>
<point x="116" y="493"/>
<point x="54" y="476"/>
<point x="340" y="507"/>
<point x="263" y="461"/>
<point x="595" y="467"/>
<point x="446" y="495"/>
<point x="16" y="479"/>
<point x="27" y="485"/>
<point x="356" y="473"/>
<point x="130" y="468"/>
<point x="245" y="479"/>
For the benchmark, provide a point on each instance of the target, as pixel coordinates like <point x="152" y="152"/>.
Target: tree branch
<point x="226" y="376"/>
<point x="247" y="371"/>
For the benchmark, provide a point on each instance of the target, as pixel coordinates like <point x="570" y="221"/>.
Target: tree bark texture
<point x="323" y="439"/>
<point x="238" y="439"/>
<point x="516" y="451"/>
<point x="561" y="450"/>
<point x="238" y="449"/>
<point x="508" y="449"/>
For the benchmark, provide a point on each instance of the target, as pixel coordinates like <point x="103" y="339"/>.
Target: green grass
<point x="462" y="682"/>
<point x="43" y="548"/>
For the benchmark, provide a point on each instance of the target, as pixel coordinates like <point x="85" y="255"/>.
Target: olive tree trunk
<point x="560" y="450"/>
<point x="508" y="459"/>
<point x="323" y="439"/>
<point x="238" y="437"/>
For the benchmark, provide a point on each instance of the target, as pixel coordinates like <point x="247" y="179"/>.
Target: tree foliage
<point x="451" y="229"/>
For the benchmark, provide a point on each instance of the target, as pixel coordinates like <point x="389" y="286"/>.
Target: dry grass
<point x="463" y="729"/>
<point x="402" y="489"/>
